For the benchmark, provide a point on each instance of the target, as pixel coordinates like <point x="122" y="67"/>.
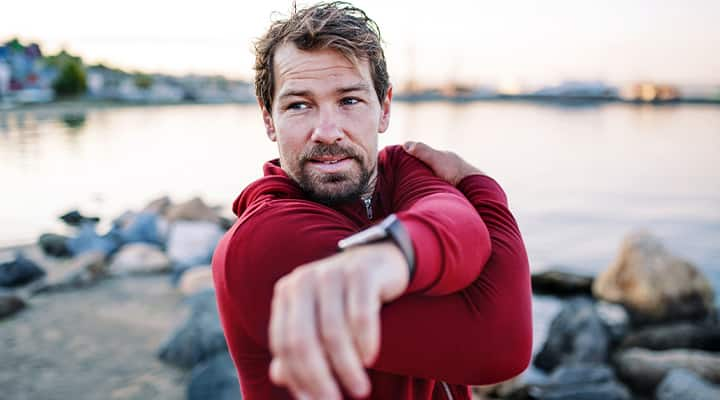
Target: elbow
<point x="511" y="363"/>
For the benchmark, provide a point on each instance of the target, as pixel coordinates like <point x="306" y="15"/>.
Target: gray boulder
<point x="10" y="304"/>
<point x="644" y="369"/>
<point x="214" y="379"/>
<point x="580" y="381"/>
<point x="560" y="283"/>
<point x="199" y="337"/>
<point x="577" y="334"/>
<point x="683" y="335"/>
<point x="54" y="245"/>
<point x="192" y="243"/>
<point x="19" y="271"/>
<point x="139" y="258"/>
<point x="84" y="270"/>
<point x="683" y="384"/>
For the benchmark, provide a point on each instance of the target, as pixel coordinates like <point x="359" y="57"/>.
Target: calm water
<point x="578" y="179"/>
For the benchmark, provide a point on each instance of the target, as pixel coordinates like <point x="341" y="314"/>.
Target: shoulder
<point x="395" y="157"/>
<point x="277" y="237"/>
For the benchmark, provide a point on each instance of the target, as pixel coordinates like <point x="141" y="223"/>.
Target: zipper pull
<point x="368" y="207"/>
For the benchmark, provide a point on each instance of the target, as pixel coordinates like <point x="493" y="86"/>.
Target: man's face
<point x="325" y="119"/>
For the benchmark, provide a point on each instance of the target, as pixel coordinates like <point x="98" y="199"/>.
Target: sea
<point x="579" y="177"/>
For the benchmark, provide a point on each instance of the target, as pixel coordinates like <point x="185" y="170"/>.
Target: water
<point x="578" y="179"/>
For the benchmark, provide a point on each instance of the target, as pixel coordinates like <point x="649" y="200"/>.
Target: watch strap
<point x="391" y="228"/>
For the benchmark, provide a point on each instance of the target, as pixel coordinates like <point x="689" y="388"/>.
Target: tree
<point x="143" y="81"/>
<point x="71" y="80"/>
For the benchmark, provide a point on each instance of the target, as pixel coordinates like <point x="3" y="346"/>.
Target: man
<point x="431" y="291"/>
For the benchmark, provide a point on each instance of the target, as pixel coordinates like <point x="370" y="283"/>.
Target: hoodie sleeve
<point x="481" y="334"/>
<point x="450" y="239"/>
<point x="250" y="258"/>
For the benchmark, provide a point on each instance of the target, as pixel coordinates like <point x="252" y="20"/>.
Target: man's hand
<point x="325" y="320"/>
<point x="445" y="164"/>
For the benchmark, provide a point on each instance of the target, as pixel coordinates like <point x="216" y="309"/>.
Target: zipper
<point x="447" y="390"/>
<point x="368" y="207"/>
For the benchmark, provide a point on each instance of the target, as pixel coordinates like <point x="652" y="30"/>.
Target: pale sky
<point x="477" y="42"/>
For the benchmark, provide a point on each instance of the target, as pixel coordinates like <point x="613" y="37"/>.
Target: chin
<point x="334" y="189"/>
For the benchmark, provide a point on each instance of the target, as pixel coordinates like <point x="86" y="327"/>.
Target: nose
<point x="327" y="130"/>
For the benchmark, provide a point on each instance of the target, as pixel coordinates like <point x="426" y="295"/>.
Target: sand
<point x="93" y="343"/>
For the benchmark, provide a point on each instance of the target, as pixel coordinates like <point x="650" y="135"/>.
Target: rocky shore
<point x="130" y="314"/>
<point x="644" y="328"/>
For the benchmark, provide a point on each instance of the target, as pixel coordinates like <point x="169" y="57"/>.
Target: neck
<point x="370" y="187"/>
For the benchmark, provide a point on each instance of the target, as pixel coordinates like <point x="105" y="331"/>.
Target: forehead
<point x="316" y="70"/>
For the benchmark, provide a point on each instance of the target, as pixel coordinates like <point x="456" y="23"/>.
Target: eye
<point x="349" y="101"/>
<point x="297" y="106"/>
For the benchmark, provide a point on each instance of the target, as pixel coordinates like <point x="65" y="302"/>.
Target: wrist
<point x="389" y="230"/>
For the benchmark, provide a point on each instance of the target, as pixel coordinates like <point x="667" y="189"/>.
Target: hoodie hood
<point x="273" y="185"/>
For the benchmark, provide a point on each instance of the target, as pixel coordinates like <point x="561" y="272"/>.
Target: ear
<point x="385" y="111"/>
<point x="268" y="121"/>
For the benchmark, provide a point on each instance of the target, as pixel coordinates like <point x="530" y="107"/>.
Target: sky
<point x="496" y="43"/>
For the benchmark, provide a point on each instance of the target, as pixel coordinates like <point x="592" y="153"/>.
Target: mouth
<point x="328" y="160"/>
<point x="330" y="164"/>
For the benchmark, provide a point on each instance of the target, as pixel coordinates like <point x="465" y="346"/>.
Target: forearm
<point x="450" y="239"/>
<point x="480" y="335"/>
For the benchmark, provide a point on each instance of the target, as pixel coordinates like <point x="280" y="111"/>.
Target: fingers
<point x="301" y="365"/>
<point x="421" y="151"/>
<point x="363" y="310"/>
<point x="337" y="338"/>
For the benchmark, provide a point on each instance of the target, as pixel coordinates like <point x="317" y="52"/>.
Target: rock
<point x="581" y="381"/>
<point x="54" y="245"/>
<point x="199" y="338"/>
<point x="139" y="258"/>
<point x="158" y="206"/>
<point x="19" y="272"/>
<point x="227" y="223"/>
<point x="654" y="285"/>
<point x="85" y="270"/>
<point x="192" y="210"/>
<point x="678" y="335"/>
<point x="615" y="318"/>
<point x="582" y="373"/>
<point x="196" y="279"/>
<point x="10" y="304"/>
<point x="214" y="379"/>
<point x="88" y="241"/>
<point x="577" y="334"/>
<point x="143" y="227"/>
<point x="561" y="283"/>
<point x="74" y="218"/>
<point x="683" y="384"/>
<point x="192" y="243"/>
<point x="644" y="369"/>
<point x="502" y="390"/>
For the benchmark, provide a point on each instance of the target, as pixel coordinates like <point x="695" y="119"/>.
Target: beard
<point x="334" y="188"/>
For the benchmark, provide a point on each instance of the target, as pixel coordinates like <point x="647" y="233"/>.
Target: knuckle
<point x="332" y="338"/>
<point x="361" y="318"/>
<point x="296" y="345"/>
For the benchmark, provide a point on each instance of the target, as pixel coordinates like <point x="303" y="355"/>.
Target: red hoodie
<point x="465" y="318"/>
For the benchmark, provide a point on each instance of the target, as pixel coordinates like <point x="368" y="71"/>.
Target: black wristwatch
<point x="389" y="228"/>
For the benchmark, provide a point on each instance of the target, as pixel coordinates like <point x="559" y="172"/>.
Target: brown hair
<point x="339" y="26"/>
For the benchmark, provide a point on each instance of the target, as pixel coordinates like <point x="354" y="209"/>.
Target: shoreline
<point x="69" y="106"/>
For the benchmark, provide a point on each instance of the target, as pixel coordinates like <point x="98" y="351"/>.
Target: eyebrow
<point x="360" y="87"/>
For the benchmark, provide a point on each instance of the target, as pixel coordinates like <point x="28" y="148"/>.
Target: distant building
<point x="30" y="78"/>
<point x="4" y="79"/>
<point x="579" y="89"/>
<point x="650" y="92"/>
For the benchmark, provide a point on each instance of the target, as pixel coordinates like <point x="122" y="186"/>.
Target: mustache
<point x="329" y="150"/>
